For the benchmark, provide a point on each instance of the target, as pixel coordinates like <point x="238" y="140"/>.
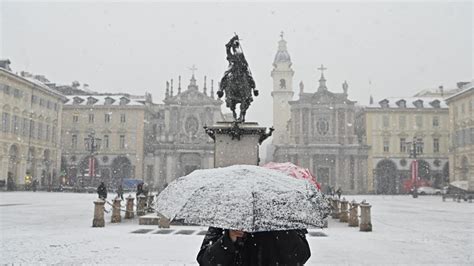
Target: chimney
<point x="441" y="91"/>
<point x="5" y="64"/>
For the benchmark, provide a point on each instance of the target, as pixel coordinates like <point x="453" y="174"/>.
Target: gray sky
<point x="136" y="47"/>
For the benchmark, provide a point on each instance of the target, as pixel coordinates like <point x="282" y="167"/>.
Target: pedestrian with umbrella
<point x="254" y="206"/>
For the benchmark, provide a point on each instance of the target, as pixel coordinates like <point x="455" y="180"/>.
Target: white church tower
<point x="282" y="93"/>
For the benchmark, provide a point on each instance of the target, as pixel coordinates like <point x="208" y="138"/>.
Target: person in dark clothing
<point x="34" y="185"/>
<point x="102" y="191"/>
<point x="139" y="189"/>
<point x="229" y="247"/>
<point x="339" y="192"/>
<point x="120" y="192"/>
<point x="10" y="183"/>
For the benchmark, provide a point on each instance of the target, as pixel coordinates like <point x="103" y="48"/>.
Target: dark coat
<point x="102" y="191"/>
<point x="283" y="248"/>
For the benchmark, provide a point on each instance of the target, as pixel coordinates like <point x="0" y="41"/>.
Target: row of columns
<point x="347" y="212"/>
<point x="142" y="209"/>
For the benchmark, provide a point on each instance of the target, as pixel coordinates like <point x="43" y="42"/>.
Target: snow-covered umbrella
<point x="294" y="171"/>
<point x="244" y="197"/>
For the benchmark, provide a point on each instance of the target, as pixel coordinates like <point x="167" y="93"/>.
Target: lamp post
<point x="92" y="145"/>
<point x="414" y="152"/>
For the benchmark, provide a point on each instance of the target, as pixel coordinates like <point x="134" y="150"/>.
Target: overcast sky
<point x="384" y="49"/>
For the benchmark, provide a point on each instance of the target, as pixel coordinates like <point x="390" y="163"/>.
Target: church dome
<point x="282" y="56"/>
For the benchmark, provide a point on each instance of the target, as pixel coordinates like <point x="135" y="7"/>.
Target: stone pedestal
<point x="150" y="200"/>
<point x="353" y="214"/>
<point x="344" y="214"/>
<point x="237" y="143"/>
<point x="129" y="210"/>
<point x="116" y="217"/>
<point x="141" y="202"/>
<point x="365" y="220"/>
<point x="98" y="220"/>
<point x="163" y="221"/>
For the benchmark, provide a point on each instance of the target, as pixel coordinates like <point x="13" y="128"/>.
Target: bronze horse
<point x="237" y="82"/>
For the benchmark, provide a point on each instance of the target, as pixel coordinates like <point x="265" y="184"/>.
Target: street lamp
<point x="92" y="145"/>
<point x="414" y="151"/>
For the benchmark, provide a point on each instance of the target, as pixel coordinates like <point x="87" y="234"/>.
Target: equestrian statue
<point x="237" y="83"/>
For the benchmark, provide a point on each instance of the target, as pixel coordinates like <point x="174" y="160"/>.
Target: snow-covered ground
<point x="56" y="228"/>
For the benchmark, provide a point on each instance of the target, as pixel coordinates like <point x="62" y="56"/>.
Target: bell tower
<point x="282" y="93"/>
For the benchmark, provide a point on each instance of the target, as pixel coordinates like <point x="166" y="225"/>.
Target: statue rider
<point x="237" y="82"/>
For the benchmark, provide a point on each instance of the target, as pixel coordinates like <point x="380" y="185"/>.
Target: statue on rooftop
<point x="237" y="83"/>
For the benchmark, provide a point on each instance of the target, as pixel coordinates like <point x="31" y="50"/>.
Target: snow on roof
<point x="410" y="103"/>
<point x="114" y="100"/>
<point x="35" y="82"/>
<point x="466" y="88"/>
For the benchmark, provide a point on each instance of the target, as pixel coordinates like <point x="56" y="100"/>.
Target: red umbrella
<point x="294" y="171"/>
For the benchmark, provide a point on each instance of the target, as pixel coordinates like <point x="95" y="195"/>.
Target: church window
<point x="15" y="124"/>
<point x="106" y="141"/>
<point x="435" y="121"/>
<point x="403" y="145"/>
<point x="122" y="142"/>
<point x="5" y="122"/>
<point x="191" y="125"/>
<point x="282" y="84"/>
<point x="91" y="118"/>
<point x="322" y="126"/>
<point x="419" y="146"/>
<point x="107" y="118"/>
<point x="122" y="118"/>
<point x="436" y="145"/>
<point x="386" y="145"/>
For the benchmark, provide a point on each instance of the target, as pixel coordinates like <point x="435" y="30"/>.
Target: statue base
<point x="237" y="143"/>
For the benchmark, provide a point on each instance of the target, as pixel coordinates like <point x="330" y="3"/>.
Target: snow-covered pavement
<point x="55" y="228"/>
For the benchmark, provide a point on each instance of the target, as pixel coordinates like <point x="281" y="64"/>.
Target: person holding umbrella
<point x="232" y="247"/>
<point x="255" y="215"/>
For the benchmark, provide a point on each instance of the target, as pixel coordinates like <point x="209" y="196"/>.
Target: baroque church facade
<point x="176" y="143"/>
<point x="322" y="131"/>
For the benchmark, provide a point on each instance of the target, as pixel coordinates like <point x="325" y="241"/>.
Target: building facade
<point x="319" y="130"/>
<point x="392" y="125"/>
<point x="30" y="128"/>
<point x="118" y="121"/>
<point x="176" y="143"/>
<point x="461" y="127"/>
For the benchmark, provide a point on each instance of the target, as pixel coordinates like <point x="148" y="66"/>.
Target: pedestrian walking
<point x="339" y="192"/>
<point x="120" y="192"/>
<point x="102" y="191"/>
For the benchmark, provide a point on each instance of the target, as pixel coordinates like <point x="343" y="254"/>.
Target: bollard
<point x="141" y="202"/>
<point x="116" y="218"/>
<point x="98" y="213"/>
<point x="163" y="222"/>
<point x="129" y="210"/>
<point x="365" y="223"/>
<point x="151" y="199"/>
<point x="335" y="209"/>
<point x="344" y="214"/>
<point x="353" y="214"/>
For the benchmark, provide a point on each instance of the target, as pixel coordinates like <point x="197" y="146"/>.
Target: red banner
<point x="91" y="167"/>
